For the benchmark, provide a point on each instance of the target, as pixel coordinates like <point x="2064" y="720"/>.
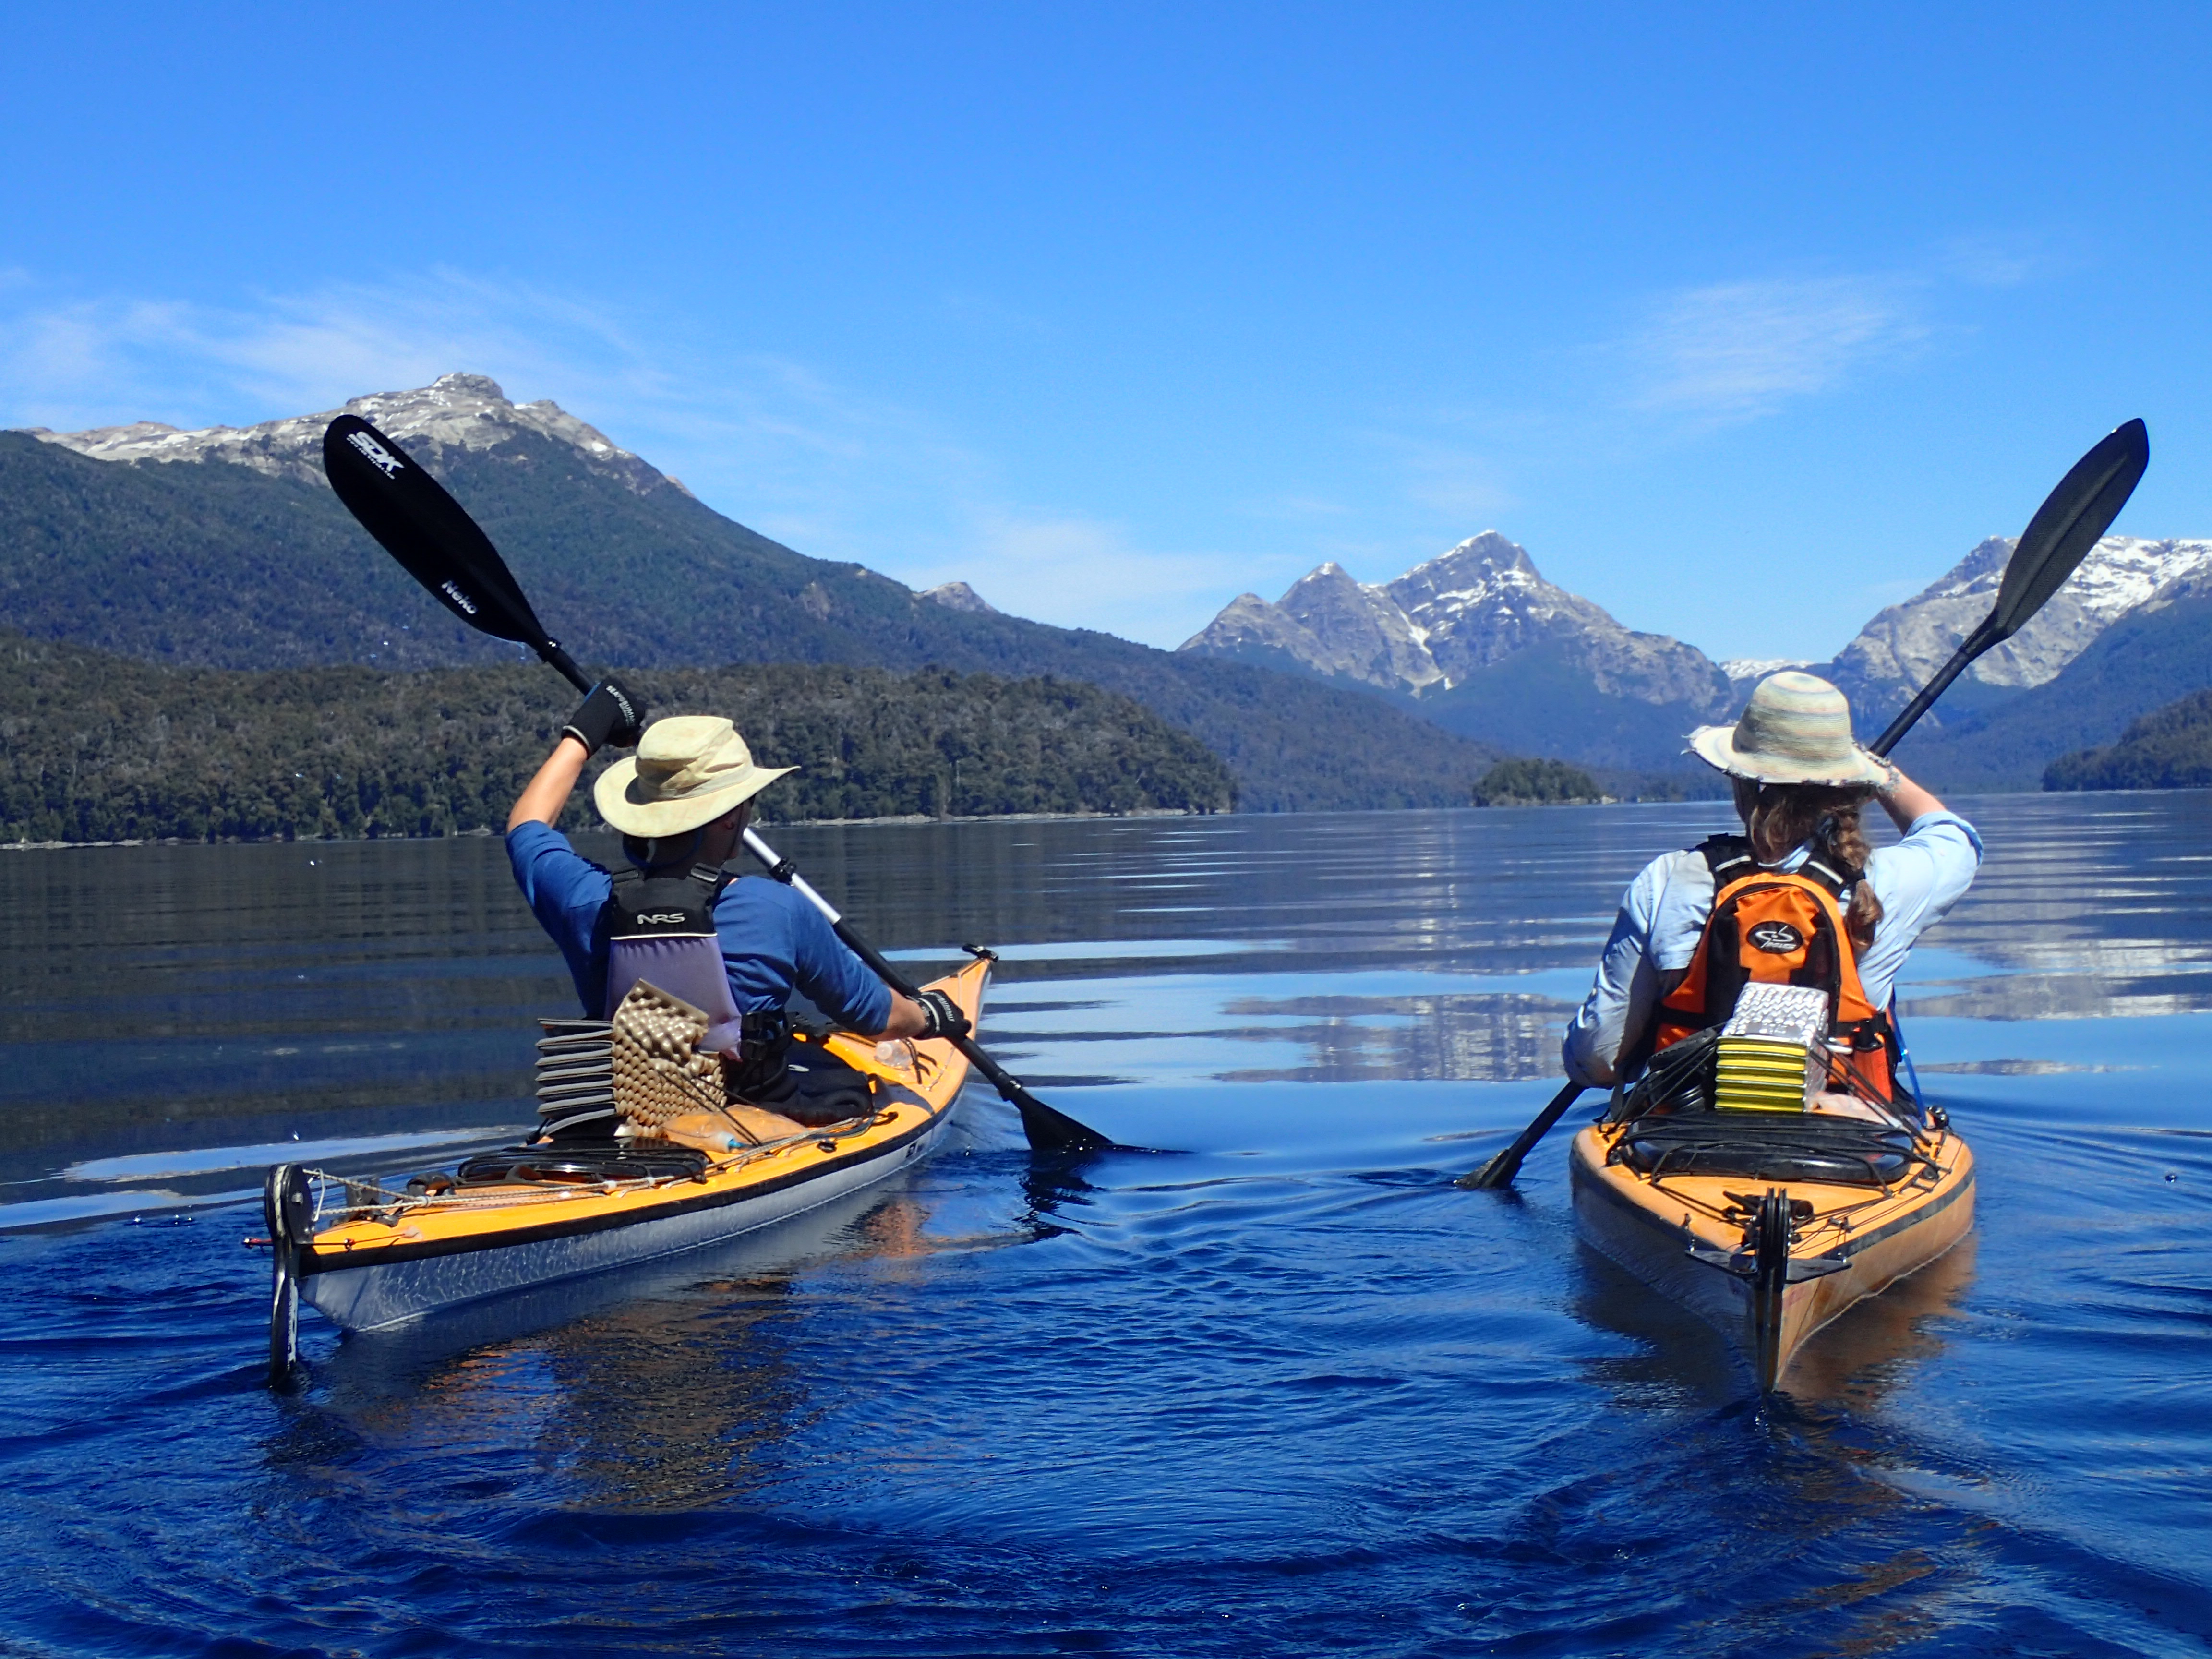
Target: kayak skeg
<point x="533" y="1215"/>
<point x="1770" y="1230"/>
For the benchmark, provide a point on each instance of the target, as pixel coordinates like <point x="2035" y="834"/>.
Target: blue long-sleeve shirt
<point x="1663" y="915"/>
<point x="773" y="942"/>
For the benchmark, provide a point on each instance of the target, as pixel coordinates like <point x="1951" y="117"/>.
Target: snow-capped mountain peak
<point x="466" y="411"/>
<point x="1743" y="669"/>
<point x="1426" y="632"/>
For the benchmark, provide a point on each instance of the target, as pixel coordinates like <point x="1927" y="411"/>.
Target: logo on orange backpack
<point x="1778" y="937"/>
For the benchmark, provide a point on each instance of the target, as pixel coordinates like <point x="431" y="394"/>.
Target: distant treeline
<point x="98" y="747"/>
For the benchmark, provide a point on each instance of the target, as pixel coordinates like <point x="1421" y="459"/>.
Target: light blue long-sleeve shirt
<point x="1663" y="915"/>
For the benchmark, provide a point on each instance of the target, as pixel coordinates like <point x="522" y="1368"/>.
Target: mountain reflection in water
<point x="1282" y="1390"/>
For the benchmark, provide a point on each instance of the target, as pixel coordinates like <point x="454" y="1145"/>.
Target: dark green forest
<point x="97" y="747"/>
<point x="2169" y="748"/>
<point x="211" y="564"/>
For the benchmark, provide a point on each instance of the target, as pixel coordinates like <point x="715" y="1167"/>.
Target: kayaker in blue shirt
<point x="682" y="803"/>
<point x="1800" y="782"/>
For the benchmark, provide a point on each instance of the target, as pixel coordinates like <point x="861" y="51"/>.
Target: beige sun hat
<point x="1796" y="729"/>
<point x="689" y="770"/>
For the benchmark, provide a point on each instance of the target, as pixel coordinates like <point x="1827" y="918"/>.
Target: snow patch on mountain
<point x="463" y="411"/>
<point x="958" y="596"/>
<point x="1744" y="671"/>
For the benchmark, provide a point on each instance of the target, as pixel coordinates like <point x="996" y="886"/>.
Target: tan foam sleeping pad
<point x="708" y="1131"/>
<point x="666" y="1089"/>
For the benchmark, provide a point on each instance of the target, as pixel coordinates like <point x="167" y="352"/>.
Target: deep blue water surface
<point x="1283" y="1391"/>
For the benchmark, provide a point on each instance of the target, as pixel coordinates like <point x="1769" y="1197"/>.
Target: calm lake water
<point x="1281" y="1390"/>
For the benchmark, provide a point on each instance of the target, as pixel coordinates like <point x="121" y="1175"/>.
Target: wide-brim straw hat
<point x="1796" y="729"/>
<point x="689" y="770"/>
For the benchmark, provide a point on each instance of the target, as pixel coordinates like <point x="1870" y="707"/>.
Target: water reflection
<point x="666" y="1387"/>
<point x="257" y="993"/>
<point x="1870" y="1351"/>
<point x="1855" y="1360"/>
<point x="1485" y="1039"/>
<point x="1749" y="1523"/>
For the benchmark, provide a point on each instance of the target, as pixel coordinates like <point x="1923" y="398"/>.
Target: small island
<point x="1537" y="783"/>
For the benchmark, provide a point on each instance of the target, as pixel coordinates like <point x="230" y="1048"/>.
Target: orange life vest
<point x="1777" y="927"/>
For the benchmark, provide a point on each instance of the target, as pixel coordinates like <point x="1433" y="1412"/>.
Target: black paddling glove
<point x="613" y="714"/>
<point x="945" y="1020"/>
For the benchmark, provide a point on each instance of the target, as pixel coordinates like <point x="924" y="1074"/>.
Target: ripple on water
<point x="1284" y="1391"/>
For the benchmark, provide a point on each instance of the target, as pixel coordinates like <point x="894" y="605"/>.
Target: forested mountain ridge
<point x="1477" y="642"/>
<point x="96" y="747"/>
<point x="223" y="548"/>
<point x="2169" y="748"/>
<point x="2141" y="662"/>
<point x="2122" y="579"/>
<point x="234" y="556"/>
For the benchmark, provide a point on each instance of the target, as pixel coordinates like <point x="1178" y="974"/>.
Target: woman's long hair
<point x="1787" y="815"/>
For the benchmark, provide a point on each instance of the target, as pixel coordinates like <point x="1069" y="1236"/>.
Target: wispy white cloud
<point x="1456" y="482"/>
<point x="839" y="471"/>
<point x="1296" y="509"/>
<point x="1736" y="350"/>
<point x="72" y="361"/>
<point x="1427" y="487"/>
<point x="1077" y="572"/>
<point x="1990" y="261"/>
<point x="995" y="317"/>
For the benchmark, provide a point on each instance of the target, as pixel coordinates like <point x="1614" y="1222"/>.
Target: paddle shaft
<point x="551" y="653"/>
<point x="2080" y="508"/>
<point x="1505" y="1166"/>
<point x="1047" y="1126"/>
<point x="1044" y="1125"/>
<point x="1982" y="639"/>
<point x="1501" y="1170"/>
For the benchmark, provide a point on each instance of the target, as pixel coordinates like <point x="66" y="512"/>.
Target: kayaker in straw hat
<point x="682" y="803"/>
<point x="1801" y="870"/>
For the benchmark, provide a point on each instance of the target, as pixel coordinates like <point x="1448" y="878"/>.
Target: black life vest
<point x="661" y="929"/>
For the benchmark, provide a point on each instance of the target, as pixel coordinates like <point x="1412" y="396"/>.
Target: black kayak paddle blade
<point x="425" y="529"/>
<point x="2068" y="525"/>
<point x="2057" y="540"/>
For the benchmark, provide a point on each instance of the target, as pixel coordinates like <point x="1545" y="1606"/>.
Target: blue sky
<point x="1745" y="320"/>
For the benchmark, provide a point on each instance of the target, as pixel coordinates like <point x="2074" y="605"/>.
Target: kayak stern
<point x="1765" y="1262"/>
